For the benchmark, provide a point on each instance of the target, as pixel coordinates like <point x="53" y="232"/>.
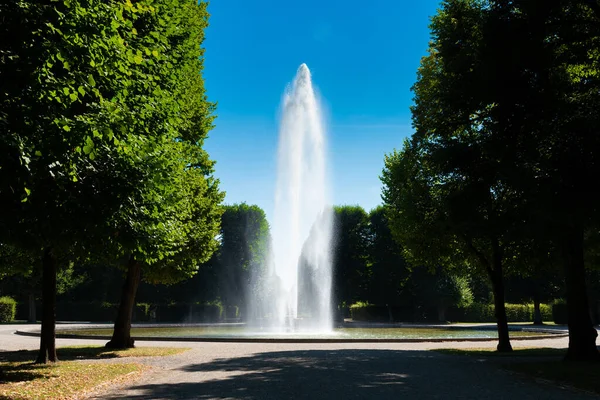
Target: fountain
<point x="302" y="224"/>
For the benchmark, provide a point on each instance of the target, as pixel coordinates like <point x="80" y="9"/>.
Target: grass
<point x="530" y="362"/>
<point x="582" y="375"/>
<point x="74" y="375"/>
<point x="518" y="352"/>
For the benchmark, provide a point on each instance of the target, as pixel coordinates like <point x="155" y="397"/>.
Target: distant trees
<point x="242" y="257"/>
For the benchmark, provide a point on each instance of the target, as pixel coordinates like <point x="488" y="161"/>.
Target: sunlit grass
<point x="74" y="375"/>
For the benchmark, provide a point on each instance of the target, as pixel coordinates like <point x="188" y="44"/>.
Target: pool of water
<point x="217" y="332"/>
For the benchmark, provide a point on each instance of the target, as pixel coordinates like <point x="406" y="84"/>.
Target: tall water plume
<point x="302" y="224"/>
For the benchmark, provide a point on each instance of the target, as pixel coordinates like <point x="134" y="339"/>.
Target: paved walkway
<point x="320" y="371"/>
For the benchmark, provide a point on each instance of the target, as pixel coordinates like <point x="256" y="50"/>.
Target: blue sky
<point x="363" y="57"/>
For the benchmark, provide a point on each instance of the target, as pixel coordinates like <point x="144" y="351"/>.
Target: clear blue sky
<point x="363" y="56"/>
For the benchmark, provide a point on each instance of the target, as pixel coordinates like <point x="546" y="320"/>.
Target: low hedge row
<point x="475" y="313"/>
<point x="143" y="312"/>
<point x="478" y="312"/>
<point x="8" y="308"/>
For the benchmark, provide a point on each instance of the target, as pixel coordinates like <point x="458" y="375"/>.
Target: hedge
<point x="559" y="312"/>
<point x="8" y="308"/>
<point x="362" y="311"/>
<point x="476" y="312"/>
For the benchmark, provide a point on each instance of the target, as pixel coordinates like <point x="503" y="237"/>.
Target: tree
<point x="440" y="289"/>
<point x="351" y="268"/>
<point x="389" y="269"/>
<point x="103" y="120"/>
<point x="62" y="67"/>
<point x="504" y="102"/>
<point x="242" y="257"/>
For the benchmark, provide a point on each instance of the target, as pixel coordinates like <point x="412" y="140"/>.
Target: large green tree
<point x="63" y="139"/>
<point x="506" y="107"/>
<point x="102" y="121"/>
<point x="172" y="226"/>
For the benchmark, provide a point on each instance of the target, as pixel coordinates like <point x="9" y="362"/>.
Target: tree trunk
<point x="537" y="313"/>
<point x="47" y="351"/>
<point x="497" y="278"/>
<point x="582" y="334"/>
<point x="441" y="313"/>
<point x="121" y="338"/>
<point x="31" y="317"/>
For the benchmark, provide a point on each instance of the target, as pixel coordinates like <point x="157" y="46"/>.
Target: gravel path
<point x="320" y="371"/>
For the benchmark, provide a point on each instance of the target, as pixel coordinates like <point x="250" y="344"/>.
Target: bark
<point x="500" y="312"/>
<point x="441" y="313"/>
<point x="537" y="313"/>
<point x="496" y="275"/>
<point x="582" y="334"/>
<point x="47" y="351"/>
<point x="31" y="317"/>
<point x="121" y="338"/>
<point x="497" y="278"/>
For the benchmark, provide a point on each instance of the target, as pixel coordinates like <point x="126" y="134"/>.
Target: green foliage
<point x="363" y="311"/>
<point x="478" y="312"/>
<point x="351" y="267"/>
<point x="389" y="270"/>
<point x="242" y="256"/>
<point x="8" y="308"/>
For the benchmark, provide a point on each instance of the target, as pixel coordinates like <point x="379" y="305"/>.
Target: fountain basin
<point x="347" y="334"/>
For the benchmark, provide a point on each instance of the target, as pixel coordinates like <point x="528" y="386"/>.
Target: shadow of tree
<point x="336" y="374"/>
<point x="18" y="366"/>
<point x="64" y="354"/>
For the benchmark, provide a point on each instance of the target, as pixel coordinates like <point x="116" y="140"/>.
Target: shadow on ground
<point x="18" y="366"/>
<point x="341" y="374"/>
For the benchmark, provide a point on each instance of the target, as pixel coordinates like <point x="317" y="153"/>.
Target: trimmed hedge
<point x="8" y="309"/>
<point x="368" y="312"/>
<point x="189" y="312"/>
<point x="476" y="312"/>
<point x="559" y="312"/>
<point x="362" y="311"/>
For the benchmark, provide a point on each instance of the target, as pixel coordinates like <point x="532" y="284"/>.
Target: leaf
<point x="138" y="59"/>
<point x="81" y="90"/>
<point x="38" y="153"/>
<point x="155" y="53"/>
<point x="66" y="128"/>
<point x="91" y="80"/>
<point x="27" y="191"/>
<point x="92" y="63"/>
<point x="73" y="96"/>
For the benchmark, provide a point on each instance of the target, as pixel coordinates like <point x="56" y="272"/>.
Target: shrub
<point x="519" y="312"/>
<point x="546" y="310"/>
<point x="559" y="312"/>
<point x="232" y="312"/>
<point x="363" y="311"/>
<point x="8" y="308"/>
<point x="141" y="312"/>
<point x="478" y="312"/>
<point x="94" y="311"/>
<point x="189" y="312"/>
